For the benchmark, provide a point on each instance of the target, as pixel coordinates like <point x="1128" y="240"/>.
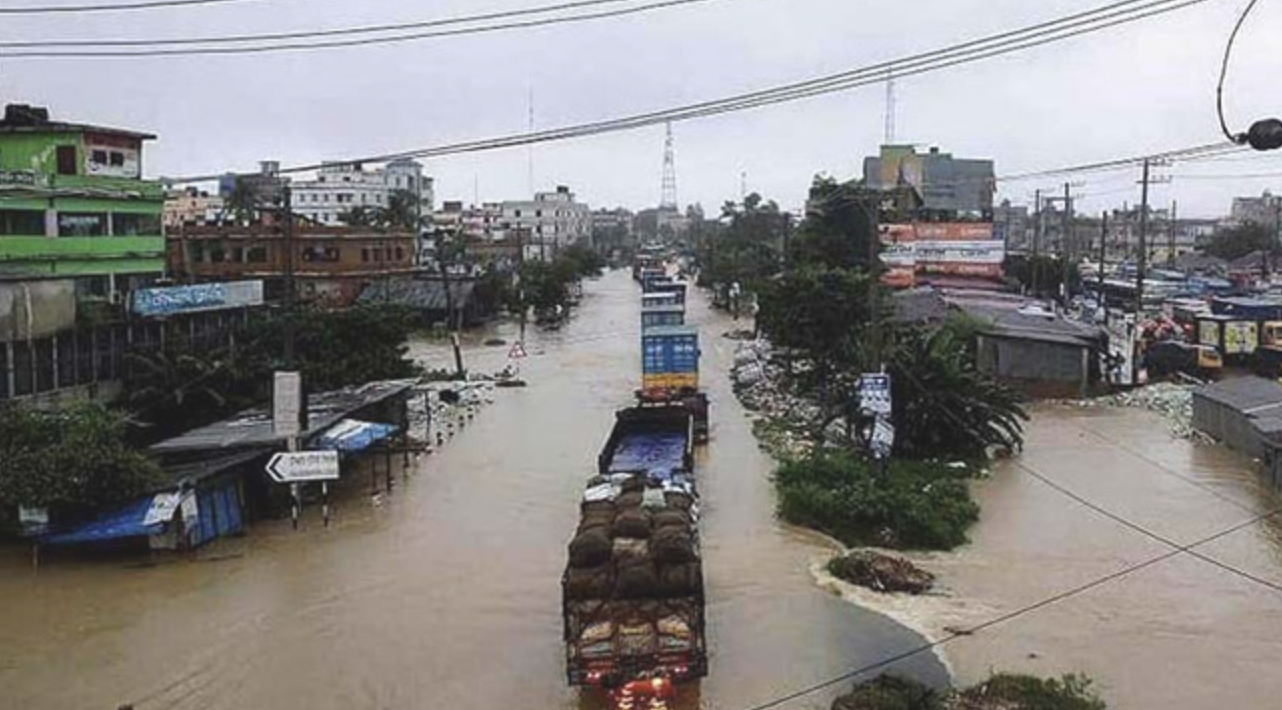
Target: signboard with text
<point x="304" y="466"/>
<point x="197" y="297"/>
<point x="950" y="248"/>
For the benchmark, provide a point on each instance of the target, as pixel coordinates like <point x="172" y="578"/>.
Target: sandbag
<point x="671" y="517"/>
<point x="598" y="507"/>
<point x="633" y="522"/>
<point x="589" y="583"/>
<point x="680" y="580"/>
<point x="653" y="499"/>
<point x="637" y="640"/>
<point x="636" y="581"/>
<point x="679" y="500"/>
<point x="673" y="546"/>
<point x="633" y="483"/>
<point x="627" y="550"/>
<point x="597" y="519"/>
<point x="631" y="499"/>
<point x="590" y="548"/>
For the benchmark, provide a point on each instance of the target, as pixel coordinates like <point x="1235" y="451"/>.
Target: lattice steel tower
<point x="668" y="200"/>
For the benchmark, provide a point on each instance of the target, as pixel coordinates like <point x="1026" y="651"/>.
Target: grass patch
<point x="914" y="505"/>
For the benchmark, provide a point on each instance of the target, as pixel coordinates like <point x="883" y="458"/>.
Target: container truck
<point x="670" y="372"/>
<point x="632" y="591"/>
<point x="652" y="316"/>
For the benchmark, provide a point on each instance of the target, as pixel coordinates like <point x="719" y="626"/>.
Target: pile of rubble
<point x="761" y="385"/>
<point x="1171" y="400"/>
<point x="881" y="573"/>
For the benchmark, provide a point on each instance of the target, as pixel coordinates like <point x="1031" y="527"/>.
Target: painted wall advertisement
<point x="112" y="156"/>
<point x="945" y="248"/>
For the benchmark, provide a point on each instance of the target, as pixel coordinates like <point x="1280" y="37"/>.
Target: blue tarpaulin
<point x="129" y="521"/>
<point x="353" y="436"/>
<point x="655" y="454"/>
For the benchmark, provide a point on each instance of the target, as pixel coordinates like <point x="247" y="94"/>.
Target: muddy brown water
<point x="445" y="593"/>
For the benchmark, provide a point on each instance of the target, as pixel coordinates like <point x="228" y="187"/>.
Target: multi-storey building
<point x="550" y="221"/>
<point x="956" y="187"/>
<point x="192" y="206"/>
<point x="332" y="265"/>
<point x="1265" y="209"/>
<point x="340" y="188"/>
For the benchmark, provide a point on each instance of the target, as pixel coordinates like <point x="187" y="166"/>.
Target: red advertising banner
<point x="947" y="248"/>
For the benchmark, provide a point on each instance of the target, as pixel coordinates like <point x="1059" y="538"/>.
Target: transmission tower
<point x="890" y="110"/>
<point x="668" y="200"/>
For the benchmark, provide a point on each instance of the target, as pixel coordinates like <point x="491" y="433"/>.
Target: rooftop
<point x="252" y="428"/>
<point x="21" y="118"/>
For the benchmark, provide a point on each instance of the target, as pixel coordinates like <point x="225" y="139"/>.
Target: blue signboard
<point x="197" y="297"/>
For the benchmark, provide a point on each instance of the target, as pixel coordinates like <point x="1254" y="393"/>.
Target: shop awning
<point x="353" y="436"/>
<point x="146" y="516"/>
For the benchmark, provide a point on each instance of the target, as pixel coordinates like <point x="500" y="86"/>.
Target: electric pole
<point x="1143" y="252"/>
<point x="1170" y="237"/>
<point x="1065" y="242"/>
<point x="288" y="216"/>
<point x="1037" y="239"/>
<point x="1103" y="256"/>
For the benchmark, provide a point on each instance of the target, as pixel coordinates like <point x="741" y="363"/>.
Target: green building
<point x="74" y="206"/>
<point x="79" y="231"/>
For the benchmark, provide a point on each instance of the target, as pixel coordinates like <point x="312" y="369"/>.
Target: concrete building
<point x="550" y="221"/>
<point x="1012" y="225"/>
<point x="192" y="206"/>
<point x="1265" y="209"/>
<point x="249" y="196"/>
<point x="332" y="265"/>
<point x="340" y="188"/>
<point x="956" y="186"/>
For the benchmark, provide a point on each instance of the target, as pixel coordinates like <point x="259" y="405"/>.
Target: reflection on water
<point x="444" y="593"/>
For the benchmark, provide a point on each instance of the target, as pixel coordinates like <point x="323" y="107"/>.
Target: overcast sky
<point x="1125" y="91"/>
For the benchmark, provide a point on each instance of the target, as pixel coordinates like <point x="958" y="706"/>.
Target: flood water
<point x="445" y="593"/>
<point x="1179" y="635"/>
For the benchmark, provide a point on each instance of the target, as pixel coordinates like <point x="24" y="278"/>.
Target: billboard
<point x="943" y="248"/>
<point x="197" y="297"/>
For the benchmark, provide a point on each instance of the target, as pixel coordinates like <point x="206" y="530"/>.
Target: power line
<point x="113" y="7"/>
<point x="343" y="31"/>
<point x="954" y="55"/>
<point x="1224" y="72"/>
<point x="1199" y="152"/>
<point x="1009" y="616"/>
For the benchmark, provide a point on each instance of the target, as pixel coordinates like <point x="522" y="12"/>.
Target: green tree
<point x="402" y="210"/>
<point x="172" y="390"/>
<point x="1236" y="242"/>
<point x="838" y="227"/>
<point x="943" y="405"/>
<point x="1044" y="272"/>
<point x="75" y="457"/>
<point x="746" y="248"/>
<point x="242" y="201"/>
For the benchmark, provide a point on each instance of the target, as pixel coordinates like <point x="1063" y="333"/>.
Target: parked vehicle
<point x="632" y="591"/>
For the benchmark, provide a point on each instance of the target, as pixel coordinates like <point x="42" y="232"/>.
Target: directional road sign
<point x="303" y="466"/>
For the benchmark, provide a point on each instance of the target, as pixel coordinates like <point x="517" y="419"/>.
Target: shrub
<point x="914" y="505"/>
<point x="1024" y="692"/>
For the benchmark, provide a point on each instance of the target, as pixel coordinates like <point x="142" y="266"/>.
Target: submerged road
<point x="445" y="594"/>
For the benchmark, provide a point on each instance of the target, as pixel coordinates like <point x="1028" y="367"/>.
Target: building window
<point x="195" y="252"/>
<point x="216" y="254"/>
<point x="364" y="254"/>
<point x="400" y="254"/>
<point x="98" y="157"/>
<point x="133" y="225"/>
<point x="43" y="364"/>
<point x="256" y="255"/>
<point x="66" y="160"/>
<point x="29" y="223"/>
<point x="24" y="381"/>
<point x="81" y="224"/>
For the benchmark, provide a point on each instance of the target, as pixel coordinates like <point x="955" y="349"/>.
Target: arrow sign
<point x="303" y="466"/>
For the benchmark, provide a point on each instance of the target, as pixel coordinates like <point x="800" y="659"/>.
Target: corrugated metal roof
<point x="253" y="427"/>
<point x="418" y="293"/>
<point x="1245" y="394"/>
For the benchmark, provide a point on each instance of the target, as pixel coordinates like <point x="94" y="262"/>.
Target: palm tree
<point x="402" y="209"/>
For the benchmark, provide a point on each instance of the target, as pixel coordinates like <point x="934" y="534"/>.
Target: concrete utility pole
<point x="287" y="215"/>
<point x="1170" y="237"/>
<point x="1103" y="257"/>
<point x="1141" y="261"/>
<point x="1065" y="251"/>
<point x="1037" y="239"/>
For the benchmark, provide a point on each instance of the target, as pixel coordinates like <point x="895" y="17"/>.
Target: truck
<point x="668" y="285"/>
<point x="632" y="591"/>
<point x="652" y="316"/>
<point x="670" y="358"/>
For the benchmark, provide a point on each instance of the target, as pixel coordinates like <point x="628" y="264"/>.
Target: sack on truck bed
<point x="673" y="546"/>
<point x="598" y="507"/>
<point x="677" y="499"/>
<point x="653" y="499"/>
<point x="671" y="518"/>
<point x="637" y="640"/>
<point x="629" y="549"/>
<point x="636" y="581"/>
<point x="631" y="499"/>
<point x="632" y="522"/>
<point x="680" y="580"/>
<point x="589" y="583"/>
<point x="590" y="548"/>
